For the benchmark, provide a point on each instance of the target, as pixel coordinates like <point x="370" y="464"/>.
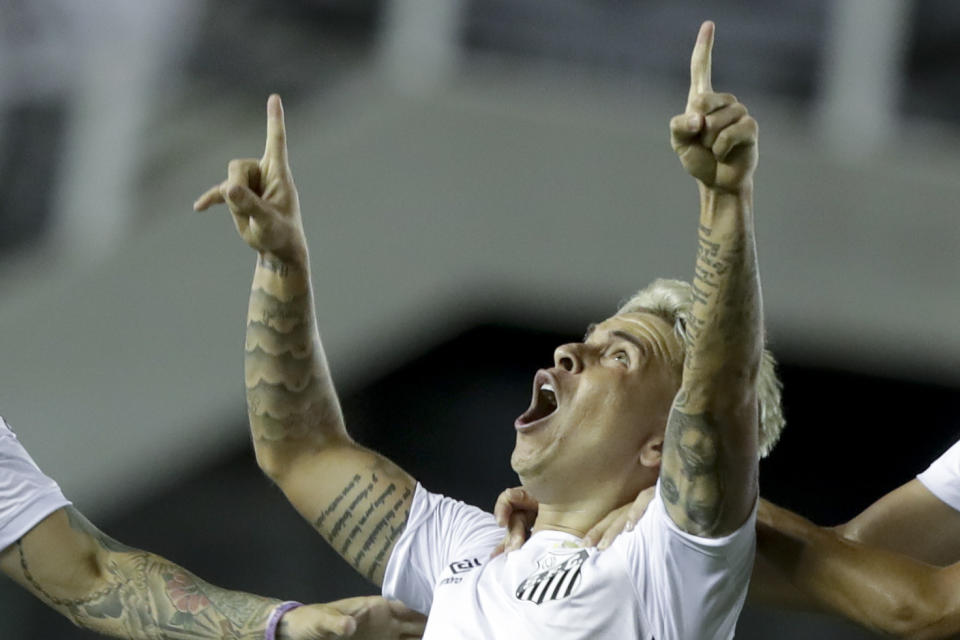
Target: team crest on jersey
<point x="557" y="576"/>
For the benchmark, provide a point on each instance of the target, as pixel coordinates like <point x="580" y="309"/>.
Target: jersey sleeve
<point x="690" y="587"/>
<point x="942" y="477"/>
<point x="27" y="496"/>
<point x="439" y="530"/>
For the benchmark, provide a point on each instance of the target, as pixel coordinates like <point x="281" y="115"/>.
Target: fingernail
<point x="349" y="627"/>
<point x="629" y="526"/>
<point x="694" y="122"/>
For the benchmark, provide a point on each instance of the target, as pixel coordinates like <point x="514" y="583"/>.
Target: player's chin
<point x="525" y="461"/>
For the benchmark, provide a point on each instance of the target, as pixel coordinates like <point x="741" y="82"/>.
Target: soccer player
<point x="670" y="390"/>
<point x="51" y="550"/>
<point x="895" y="568"/>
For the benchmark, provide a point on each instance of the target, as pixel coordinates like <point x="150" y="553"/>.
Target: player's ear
<point x="651" y="452"/>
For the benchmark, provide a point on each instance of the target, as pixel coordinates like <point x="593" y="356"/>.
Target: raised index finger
<point x="700" y="62"/>
<point x="276" y="148"/>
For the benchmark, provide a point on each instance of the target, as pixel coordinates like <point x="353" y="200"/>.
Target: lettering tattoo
<point x="141" y="595"/>
<point x="366" y="518"/>
<point x="725" y="316"/>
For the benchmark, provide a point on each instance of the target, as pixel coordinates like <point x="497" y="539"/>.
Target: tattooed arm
<point x="708" y="474"/>
<point x="102" y="585"/>
<point x="356" y="499"/>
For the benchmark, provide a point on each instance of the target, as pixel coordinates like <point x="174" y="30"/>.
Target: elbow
<point x="273" y="462"/>
<point x="919" y="616"/>
<point x="280" y="459"/>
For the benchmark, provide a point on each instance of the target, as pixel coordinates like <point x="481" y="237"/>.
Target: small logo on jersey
<point x="557" y="577"/>
<point x="462" y="566"/>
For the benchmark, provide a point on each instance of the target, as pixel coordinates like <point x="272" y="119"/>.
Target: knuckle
<point x="703" y="101"/>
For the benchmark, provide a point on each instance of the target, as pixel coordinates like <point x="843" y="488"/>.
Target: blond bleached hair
<point x="672" y="300"/>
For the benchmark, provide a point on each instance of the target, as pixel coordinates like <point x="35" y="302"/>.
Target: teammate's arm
<point x="357" y="499"/>
<point x="882" y="590"/>
<point x="102" y="585"/>
<point x="708" y="474"/>
<point x="911" y="520"/>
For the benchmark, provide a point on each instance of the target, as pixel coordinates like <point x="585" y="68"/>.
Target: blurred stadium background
<point x="479" y="180"/>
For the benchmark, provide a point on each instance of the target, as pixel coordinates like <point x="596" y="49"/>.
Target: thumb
<point x="322" y="622"/>
<point x="242" y="201"/>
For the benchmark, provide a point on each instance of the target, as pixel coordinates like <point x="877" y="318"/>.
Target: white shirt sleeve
<point x="27" y="496"/>
<point x="439" y="530"/>
<point x="942" y="477"/>
<point x="690" y="586"/>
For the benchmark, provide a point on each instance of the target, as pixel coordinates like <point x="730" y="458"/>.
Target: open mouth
<point x="544" y="403"/>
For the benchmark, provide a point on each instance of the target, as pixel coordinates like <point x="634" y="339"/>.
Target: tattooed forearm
<point x="724" y="324"/>
<point x="289" y="390"/>
<point x="140" y="595"/>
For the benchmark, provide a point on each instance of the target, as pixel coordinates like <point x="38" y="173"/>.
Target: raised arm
<point x="879" y="589"/>
<point x="708" y="476"/>
<point x="358" y="500"/>
<point x="102" y="585"/>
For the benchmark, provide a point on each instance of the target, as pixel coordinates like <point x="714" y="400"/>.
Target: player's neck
<point x="577" y="514"/>
<point x="575" y="517"/>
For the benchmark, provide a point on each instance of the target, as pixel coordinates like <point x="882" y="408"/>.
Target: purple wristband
<point x="270" y="633"/>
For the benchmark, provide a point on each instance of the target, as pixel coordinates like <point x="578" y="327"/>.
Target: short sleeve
<point x="27" y="496"/>
<point x="439" y="530"/>
<point x="942" y="477"/>
<point x="690" y="586"/>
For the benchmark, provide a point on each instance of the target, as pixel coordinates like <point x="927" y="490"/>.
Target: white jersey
<point x="26" y="495"/>
<point x="942" y="477"/>
<point x="655" y="582"/>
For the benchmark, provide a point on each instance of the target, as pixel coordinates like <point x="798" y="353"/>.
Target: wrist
<point x="743" y="190"/>
<point x="281" y="621"/>
<point x="290" y="261"/>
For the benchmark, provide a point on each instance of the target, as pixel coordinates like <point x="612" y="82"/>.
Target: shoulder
<point x="942" y="477"/>
<point x="27" y="495"/>
<point x="448" y="513"/>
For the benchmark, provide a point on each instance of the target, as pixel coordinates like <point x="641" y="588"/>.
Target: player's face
<point x="602" y="401"/>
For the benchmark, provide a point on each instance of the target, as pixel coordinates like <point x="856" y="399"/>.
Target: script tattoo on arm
<point x="366" y="518"/>
<point x="723" y="346"/>
<point x="139" y="595"/>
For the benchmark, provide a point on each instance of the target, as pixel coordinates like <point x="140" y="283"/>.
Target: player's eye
<point x="621" y="357"/>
